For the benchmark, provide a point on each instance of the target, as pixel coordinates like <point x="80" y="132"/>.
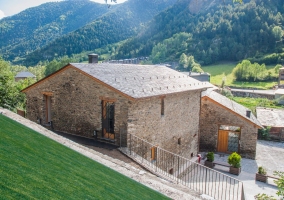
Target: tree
<point x="246" y="71"/>
<point x="277" y="32"/>
<point x="57" y="64"/>
<point x="197" y="68"/>
<point x="10" y="91"/>
<point x="276" y="68"/>
<point x="280" y="187"/>
<point x="183" y="61"/>
<point x="280" y="183"/>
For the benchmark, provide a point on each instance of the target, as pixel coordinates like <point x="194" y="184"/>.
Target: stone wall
<point x="76" y="108"/>
<point x="180" y="120"/>
<point x="253" y="94"/>
<point x="76" y="104"/>
<point x="212" y="115"/>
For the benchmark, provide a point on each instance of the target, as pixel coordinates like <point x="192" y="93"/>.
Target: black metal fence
<point x="184" y="171"/>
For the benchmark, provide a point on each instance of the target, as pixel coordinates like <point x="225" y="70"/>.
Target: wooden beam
<point x="47" y="93"/>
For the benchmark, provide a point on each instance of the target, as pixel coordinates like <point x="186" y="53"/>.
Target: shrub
<point x="264" y="133"/>
<point x="280" y="183"/>
<point x="261" y="170"/>
<point x="235" y="160"/>
<point x="210" y="156"/>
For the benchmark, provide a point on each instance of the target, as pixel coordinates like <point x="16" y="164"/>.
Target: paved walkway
<point x="270" y="155"/>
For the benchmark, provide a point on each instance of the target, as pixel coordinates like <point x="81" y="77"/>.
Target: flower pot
<point x="234" y="170"/>
<point x="261" y="177"/>
<point x="209" y="164"/>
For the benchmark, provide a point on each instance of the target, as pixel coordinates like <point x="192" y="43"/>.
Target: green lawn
<point x="252" y="103"/>
<point x="223" y="71"/>
<point x="35" y="167"/>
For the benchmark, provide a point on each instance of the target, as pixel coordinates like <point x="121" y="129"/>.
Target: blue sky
<point x="11" y="7"/>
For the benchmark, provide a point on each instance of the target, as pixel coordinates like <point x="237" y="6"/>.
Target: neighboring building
<point x="274" y="118"/>
<point x="226" y="126"/>
<point x="155" y="103"/>
<point x="24" y="75"/>
<point x="203" y="77"/>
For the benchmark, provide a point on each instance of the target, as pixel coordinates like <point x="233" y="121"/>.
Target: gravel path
<point x="169" y="189"/>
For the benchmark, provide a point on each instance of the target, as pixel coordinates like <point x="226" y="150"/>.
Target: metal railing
<point x="183" y="171"/>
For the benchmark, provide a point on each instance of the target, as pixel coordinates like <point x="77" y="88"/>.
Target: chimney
<point x="248" y="113"/>
<point x="93" y="58"/>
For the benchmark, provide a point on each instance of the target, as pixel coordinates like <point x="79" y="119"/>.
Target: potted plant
<point x="261" y="175"/>
<point x="235" y="161"/>
<point x="209" y="160"/>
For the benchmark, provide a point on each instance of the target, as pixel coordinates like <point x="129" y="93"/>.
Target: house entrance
<point x="228" y="139"/>
<point x="108" y="120"/>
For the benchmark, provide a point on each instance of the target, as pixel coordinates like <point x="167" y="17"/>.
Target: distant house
<point x="203" y="77"/>
<point x="109" y="101"/>
<point x="274" y="118"/>
<point x="226" y="126"/>
<point x="24" y="75"/>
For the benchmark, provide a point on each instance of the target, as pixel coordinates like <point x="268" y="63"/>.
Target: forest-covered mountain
<point x="122" y="22"/>
<point x="211" y="31"/>
<point x="35" y="27"/>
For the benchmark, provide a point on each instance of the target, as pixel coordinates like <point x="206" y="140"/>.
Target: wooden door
<point x="222" y="141"/>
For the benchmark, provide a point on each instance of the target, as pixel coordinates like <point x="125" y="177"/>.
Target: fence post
<point x="243" y="193"/>
<point x="178" y="169"/>
<point x="197" y="177"/>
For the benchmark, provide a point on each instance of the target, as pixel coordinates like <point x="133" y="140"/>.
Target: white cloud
<point x="2" y="14"/>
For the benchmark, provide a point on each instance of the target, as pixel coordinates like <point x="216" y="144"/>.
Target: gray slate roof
<point x="139" y="81"/>
<point x="231" y="105"/>
<point x="25" y="75"/>
<point x="270" y="116"/>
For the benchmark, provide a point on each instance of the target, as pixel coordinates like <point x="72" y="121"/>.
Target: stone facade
<point x="180" y="122"/>
<point x="212" y="116"/>
<point x="75" y="104"/>
<point x="76" y="108"/>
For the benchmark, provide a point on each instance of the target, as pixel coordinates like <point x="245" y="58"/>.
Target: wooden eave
<point x="208" y="98"/>
<point x="68" y="66"/>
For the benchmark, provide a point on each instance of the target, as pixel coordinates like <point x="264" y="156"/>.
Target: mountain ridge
<point x="37" y="26"/>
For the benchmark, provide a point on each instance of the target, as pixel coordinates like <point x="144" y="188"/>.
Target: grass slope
<point x="252" y="103"/>
<point x="225" y="71"/>
<point x="35" y="167"/>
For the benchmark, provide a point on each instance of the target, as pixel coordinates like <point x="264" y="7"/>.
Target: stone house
<point x="273" y="118"/>
<point x="108" y="101"/>
<point x="226" y="126"/>
<point x="24" y="75"/>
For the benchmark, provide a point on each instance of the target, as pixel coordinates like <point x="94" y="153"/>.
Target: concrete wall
<point x="180" y="120"/>
<point x="213" y="115"/>
<point x="75" y="104"/>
